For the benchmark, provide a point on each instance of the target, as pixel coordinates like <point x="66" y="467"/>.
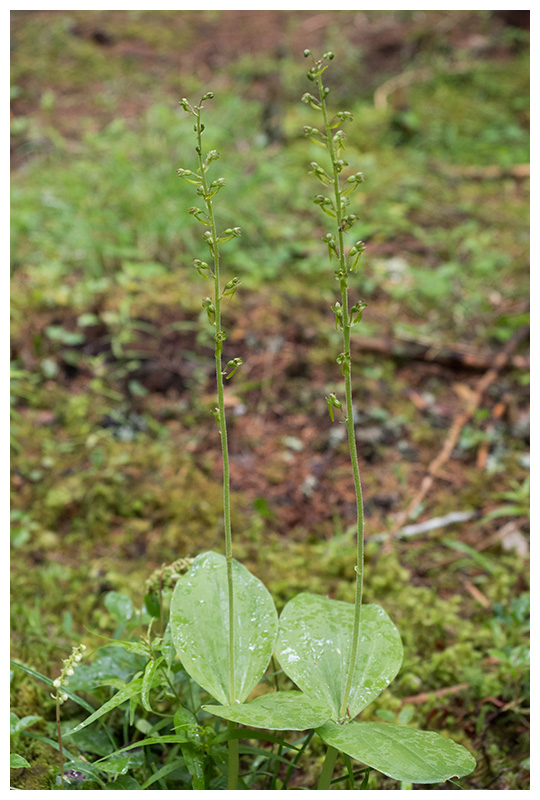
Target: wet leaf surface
<point x="399" y="752"/>
<point x="314" y="643"/>
<point x="278" y="711"/>
<point x="200" y="626"/>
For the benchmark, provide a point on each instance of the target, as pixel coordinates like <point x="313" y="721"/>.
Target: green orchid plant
<point x="224" y="624"/>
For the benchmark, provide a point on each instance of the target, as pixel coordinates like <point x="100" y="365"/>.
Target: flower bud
<point x="310" y="100"/>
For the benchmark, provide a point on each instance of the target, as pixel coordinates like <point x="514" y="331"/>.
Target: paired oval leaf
<point x="279" y="711"/>
<point x="313" y="649"/>
<point x="200" y="626"/>
<point x="401" y="753"/>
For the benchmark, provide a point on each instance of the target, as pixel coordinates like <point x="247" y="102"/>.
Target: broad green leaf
<point x="131" y="690"/>
<point x="120" y="606"/>
<point x="401" y="753"/>
<point x="277" y="711"/>
<point x="17" y="762"/>
<point x="313" y="649"/>
<point x="200" y="626"/>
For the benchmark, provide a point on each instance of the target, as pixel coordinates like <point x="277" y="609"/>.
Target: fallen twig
<point x="477" y="594"/>
<point x="451" y="440"/>
<point x="417" y="699"/>
<point x="429" y="525"/>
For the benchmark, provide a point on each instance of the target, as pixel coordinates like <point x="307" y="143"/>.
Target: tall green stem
<point x="222" y="422"/>
<point x="232" y="775"/>
<point x="346" y="366"/>
<point x="233" y="763"/>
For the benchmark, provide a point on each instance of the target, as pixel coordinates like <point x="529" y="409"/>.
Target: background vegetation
<point x="115" y="456"/>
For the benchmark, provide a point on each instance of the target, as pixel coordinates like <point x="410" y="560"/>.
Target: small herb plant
<point x="222" y="621"/>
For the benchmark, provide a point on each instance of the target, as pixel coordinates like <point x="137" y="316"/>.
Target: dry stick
<point x="417" y="699"/>
<point x="451" y="440"/>
<point x="476" y="593"/>
<point x="453" y="518"/>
